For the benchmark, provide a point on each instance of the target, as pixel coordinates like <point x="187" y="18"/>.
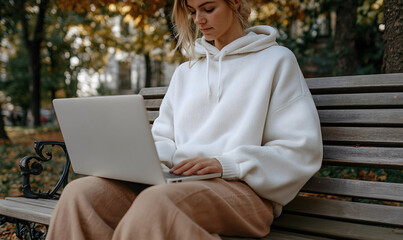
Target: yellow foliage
<point x="99" y="18"/>
<point x="138" y="20"/>
<point x="112" y="8"/>
<point x="125" y="9"/>
<point x="128" y="18"/>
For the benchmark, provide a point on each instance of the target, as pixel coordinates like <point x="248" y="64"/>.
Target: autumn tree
<point x="393" y="56"/>
<point x="33" y="40"/>
<point x="67" y="37"/>
<point x="3" y="134"/>
<point x="353" y="44"/>
<point x="346" y="37"/>
<point x="146" y="27"/>
<point x="16" y="83"/>
<point x="31" y="16"/>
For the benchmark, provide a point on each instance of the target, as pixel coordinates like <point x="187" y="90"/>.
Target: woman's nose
<point x="199" y="19"/>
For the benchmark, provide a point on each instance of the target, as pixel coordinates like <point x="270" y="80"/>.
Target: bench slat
<point x="336" y="229"/>
<point x="154" y="92"/>
<point x="350" y="135"/>
<point x="152" y="115"/>
<point x="25" y="211"/>
<point x="362" y="100"/>
<point x="361" y="83"/>
<point x="331" y="101"/>
<point x="360" y="212"/>
<point x="373" y="117"/>
<point x="371" y="100"/>
<point x="152" y="104"/>
<point x="357" y="84"/>
<point x="355" y="188"/>
<point x="47" y="203"/>
<point x="279" y="235"/>
<point x="364" y="136"/>
<point x="377" y="100"/>
<point x="366" y="117"/>
<point x="380" y="157"/>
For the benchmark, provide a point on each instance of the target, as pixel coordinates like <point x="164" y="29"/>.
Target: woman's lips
<point x="205" y="30"/>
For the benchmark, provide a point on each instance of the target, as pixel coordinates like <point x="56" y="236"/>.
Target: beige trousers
<point x="97" y="208"/>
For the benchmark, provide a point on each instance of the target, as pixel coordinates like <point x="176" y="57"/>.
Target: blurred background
<point x="68" y="48"/>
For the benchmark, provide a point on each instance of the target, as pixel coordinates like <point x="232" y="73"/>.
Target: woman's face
<point x="216" y="20"/>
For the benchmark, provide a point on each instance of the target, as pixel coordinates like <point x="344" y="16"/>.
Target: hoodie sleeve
<point x="291" y="150"/>
<point x="163" y="128"/>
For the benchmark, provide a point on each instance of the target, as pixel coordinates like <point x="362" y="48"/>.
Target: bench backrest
<point x="362" y="128"/>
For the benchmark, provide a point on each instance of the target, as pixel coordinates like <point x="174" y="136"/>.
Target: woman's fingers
<point x="197" y="166"/>
<point x="182" y="166"/>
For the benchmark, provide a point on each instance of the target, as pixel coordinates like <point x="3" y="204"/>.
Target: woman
<point x="239" y="107"/>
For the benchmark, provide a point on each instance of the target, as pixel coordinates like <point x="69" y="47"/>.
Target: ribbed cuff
<point x="230" y="168"/>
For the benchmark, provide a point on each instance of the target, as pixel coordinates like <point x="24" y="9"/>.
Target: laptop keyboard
<point x="171" y="175"/>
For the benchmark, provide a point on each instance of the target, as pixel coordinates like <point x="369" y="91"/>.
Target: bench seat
<point x="32" y="210"/>
<point x="40" y="211"/>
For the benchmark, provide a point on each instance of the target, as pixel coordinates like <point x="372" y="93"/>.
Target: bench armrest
<point x="36" y="168"/>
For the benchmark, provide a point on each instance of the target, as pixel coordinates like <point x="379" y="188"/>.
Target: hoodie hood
<point x="255" y="39"/>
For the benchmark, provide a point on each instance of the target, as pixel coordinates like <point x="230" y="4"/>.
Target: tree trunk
<point x="148" y="70"/>
<point x="346" y="34"/>
<point x="33" y="45"/>
<point x="35" y="84"/>
<point x="393" y="36"/>
<point x="3" y="133"/>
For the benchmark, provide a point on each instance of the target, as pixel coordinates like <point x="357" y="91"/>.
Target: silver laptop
<point x="111" y="137"/>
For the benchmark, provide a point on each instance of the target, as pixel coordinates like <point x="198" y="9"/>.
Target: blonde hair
<point x="186" y="32"/>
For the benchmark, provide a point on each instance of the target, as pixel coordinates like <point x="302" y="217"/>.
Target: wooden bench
<point x="362" y="126"/>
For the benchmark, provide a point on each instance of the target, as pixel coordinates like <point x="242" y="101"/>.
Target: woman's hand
<point x="197" y="166"/>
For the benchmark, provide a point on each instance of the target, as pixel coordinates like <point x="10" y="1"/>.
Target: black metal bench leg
<point x="24" y="229"/>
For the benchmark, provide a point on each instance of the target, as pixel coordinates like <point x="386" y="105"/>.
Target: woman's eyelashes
<point x="192" y="12"/>
<point x="209" y="10"/>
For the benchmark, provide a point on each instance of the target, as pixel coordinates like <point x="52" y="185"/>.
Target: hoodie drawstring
<point x="219" y="90"/>
<point x="207" y="73"/>
<point x="219" y="77"/>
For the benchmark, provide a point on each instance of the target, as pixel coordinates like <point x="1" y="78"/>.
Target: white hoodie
<point x="248" y="106"/>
